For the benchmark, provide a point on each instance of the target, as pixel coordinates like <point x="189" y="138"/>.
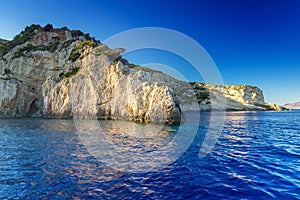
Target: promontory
<point x="61" y="73"/>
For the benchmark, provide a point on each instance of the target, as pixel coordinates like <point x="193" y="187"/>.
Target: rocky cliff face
<point x="60" y="73"/>
<point x="292" y="105"/>
<point x="110" y="91"/>
<point x="25" y="63"/>
<point x="238" y="97"/>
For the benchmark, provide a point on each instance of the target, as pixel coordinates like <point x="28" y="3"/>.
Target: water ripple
<point x="257" y="156"/>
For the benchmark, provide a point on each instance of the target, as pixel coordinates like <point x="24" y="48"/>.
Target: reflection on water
<point x="135" y="147"/>
<point x="257" y="156"/>
<point x="139" y="130"/>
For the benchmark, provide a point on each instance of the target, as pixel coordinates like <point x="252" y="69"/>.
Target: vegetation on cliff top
<point x="79" y="40"/>
<point x="27" y="34"/>
<point x="77" y="51"/>
<point x="201" y="92"/>
<point x="19" y="39"/>
<point x="30" y="48"/>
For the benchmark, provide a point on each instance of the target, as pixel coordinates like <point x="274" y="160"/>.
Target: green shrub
<point x="17" y="54"/>
<point x="27" y="48"/>
<point x="7" y="71"/>
<point x="202" y="95"/>
<point x="19" y="39"/>
<point x="69" y="73"/>
<point x="31" y="48"/>
<point x="89" y="43"/>
<point x="53" y="46"/>
<point x="74" y="55"/>
<point x="87" y="36"/>
<point x="67" y="43"/>
<point x="76" y="33"/>
<point x="192" y="83"/>
<point x="64" y="28"/>
<point x="4" y="49"/>
<point x="76" y="52"/>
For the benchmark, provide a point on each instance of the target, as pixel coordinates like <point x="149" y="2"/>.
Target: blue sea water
<point x="256" y="157"/>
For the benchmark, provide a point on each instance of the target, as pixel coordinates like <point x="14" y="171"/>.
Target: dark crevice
<point x="33" y="108"/>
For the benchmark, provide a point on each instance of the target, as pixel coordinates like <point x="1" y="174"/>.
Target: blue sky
<point x="251" y="42"/>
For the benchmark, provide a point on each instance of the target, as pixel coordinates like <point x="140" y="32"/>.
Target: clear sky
<point x="254" y="42"/>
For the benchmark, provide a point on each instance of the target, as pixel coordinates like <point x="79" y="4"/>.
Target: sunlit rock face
<point x="110" y="91"/>
<point x="238" y="97"/>
<point x="62" y="73"/>
<point x="26" y="62"/>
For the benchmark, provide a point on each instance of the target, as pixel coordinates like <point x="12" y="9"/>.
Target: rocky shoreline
<point x="62" y="73"/>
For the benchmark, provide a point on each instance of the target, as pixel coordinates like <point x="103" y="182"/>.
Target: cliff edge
<point x="61" y="73"/>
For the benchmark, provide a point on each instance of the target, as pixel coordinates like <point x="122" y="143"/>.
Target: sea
<point x="254" y="155"/>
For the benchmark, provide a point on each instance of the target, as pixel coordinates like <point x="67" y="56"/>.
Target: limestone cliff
<point x="109" y="91"/>
<point x="62" y="73"/>
<point x="292" y="105"/>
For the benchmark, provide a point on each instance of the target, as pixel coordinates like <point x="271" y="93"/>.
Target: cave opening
<point x="32" y="108"/>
